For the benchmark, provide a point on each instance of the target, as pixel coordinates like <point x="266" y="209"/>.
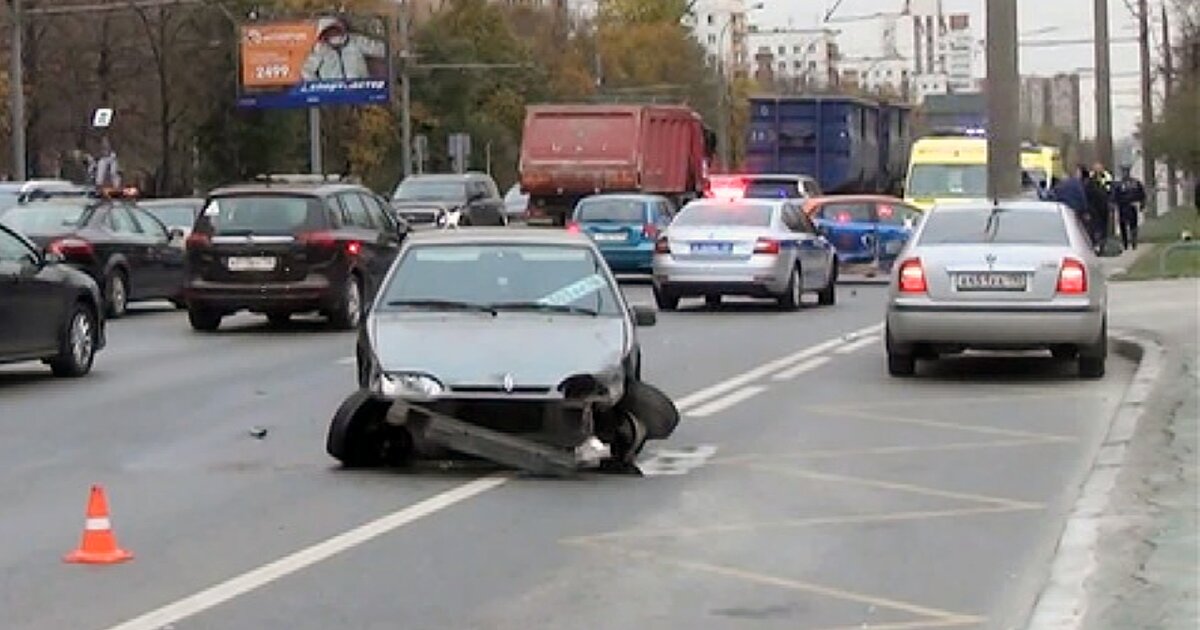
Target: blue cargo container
<point x="850" y="145"/>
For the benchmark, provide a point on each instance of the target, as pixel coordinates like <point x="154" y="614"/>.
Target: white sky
<point x="1073" y="19"/>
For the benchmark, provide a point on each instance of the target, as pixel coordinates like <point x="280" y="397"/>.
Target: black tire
<point x="202" y="319"/>
<point x="655" y="409"/>
<point x="349" y="309"/>
<point x="713" y="301"/>
<point x="828" y="295"/>
<point x="116" y="293"/>
<point x="900" y="363"/>
<point x="77" y="348"/>
<point x="279" y="319"/>
<point x="179" y="303"/>
<point x="665" y="299"/>
<point x="1064" y="353"/>
<point x="356" y="433"/>
<point x="789" y="300"/>
<point x="1092" y="358"/>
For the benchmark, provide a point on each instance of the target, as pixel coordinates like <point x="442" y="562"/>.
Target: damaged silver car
<point x="512" y="345"/>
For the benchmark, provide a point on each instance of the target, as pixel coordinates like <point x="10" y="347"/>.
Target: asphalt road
<point x="805" y="489"/>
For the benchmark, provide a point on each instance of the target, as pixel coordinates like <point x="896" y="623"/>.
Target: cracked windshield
<point x="600" y="314"/>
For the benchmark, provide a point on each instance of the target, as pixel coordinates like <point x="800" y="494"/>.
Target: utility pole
<point x="1149" y="175"/>
<point x="315" y="165"/>
<point x="1103" y="62"/>
<point x="405" y="93"/>
<point x="1003" y="100"/>
<point x="1168" y="89"/>
<point x="16" y="90"/>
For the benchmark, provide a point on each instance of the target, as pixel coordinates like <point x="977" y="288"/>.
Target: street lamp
<point x="723" y="91"/>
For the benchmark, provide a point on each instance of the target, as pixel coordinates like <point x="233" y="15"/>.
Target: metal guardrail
<point x="1172" y="248"/>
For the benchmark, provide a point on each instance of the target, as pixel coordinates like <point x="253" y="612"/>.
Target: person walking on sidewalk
<point x="1130" y="197"/>
<point x="1099" y="209"/>
<point x="1073" y="193"/>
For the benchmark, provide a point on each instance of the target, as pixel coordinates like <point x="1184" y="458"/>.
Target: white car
<point x="762" y="248"/>
<point x="1017" y="275"/>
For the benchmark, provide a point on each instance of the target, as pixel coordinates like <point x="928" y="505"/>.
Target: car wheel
<point x="713" y="301"/>
<point x="203" y="319"/>
<point x="1092" y="357"/>
<point x="279" y="319"/>
<point x="790" y="300"/>
<point x="116" y="294"/>
<point x="349" y="309"/>
<point x="828" y="295"/>
<point x="77" y="350"/>
<point x="900" y="363"/>
<point x="179" y="303"/>
<point x="665" y="299"/>
<point x="358" y="437"/>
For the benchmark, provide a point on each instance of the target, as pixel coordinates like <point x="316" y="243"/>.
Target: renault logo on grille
<point x="508" y="383"/>
<point x="991" y="260"/>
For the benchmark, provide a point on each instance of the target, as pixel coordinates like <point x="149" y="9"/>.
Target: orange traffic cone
<point x="99" y="545"/>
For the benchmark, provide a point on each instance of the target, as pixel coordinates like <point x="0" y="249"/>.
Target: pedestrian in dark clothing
<point x="1099" y="212"/>
<point x="1073" y="193"/>
<point x="1130" y="197"/>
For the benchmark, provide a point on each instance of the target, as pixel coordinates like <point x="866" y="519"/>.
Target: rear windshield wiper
<point x="449" y="305"/>
<point x="542" y="306"/>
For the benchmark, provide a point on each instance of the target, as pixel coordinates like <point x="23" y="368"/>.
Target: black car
<point x="286" y="248"/>
<point x="48" y="311"/>
<point x="130" y="254"/>
<point x="430" y="199"/>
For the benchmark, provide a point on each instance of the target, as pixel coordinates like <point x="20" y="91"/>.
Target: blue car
<point x="624" y="227"/>
<point x="868" y="231"/>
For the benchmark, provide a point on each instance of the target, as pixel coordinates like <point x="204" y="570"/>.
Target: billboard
<point x="310" y="62"/>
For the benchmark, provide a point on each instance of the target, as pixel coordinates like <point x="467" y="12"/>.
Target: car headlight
<point x="407" y="385"/>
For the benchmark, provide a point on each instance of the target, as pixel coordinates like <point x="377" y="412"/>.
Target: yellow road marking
<point x="795" y="585"/>
<point x="892" y="450"/>
<point x="937" y="424"/>
<point x="850" y="519"/>
<point x="893" y="485"/>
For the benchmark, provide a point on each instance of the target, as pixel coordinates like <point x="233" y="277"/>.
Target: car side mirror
<point x="175" y="233"/>
<point x="644" y="316"/>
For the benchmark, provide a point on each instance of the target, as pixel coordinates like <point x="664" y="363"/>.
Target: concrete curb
<point x="1062" y="603"/>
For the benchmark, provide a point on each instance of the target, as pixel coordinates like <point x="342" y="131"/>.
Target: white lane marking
<point x="726" y="401"/>
<point x="256" y="578"/>
<point x="346" y="361"/>
<point x="676" y="461"/>
<point x="762" y="371"/>
<point x="797" y="370"/>
<point x="858" y="345"/>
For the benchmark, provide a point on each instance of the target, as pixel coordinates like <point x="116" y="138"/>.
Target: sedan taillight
<point x="912" y="277"/>
<point x="71" y="247"/>
<point x="1072" y="277"/>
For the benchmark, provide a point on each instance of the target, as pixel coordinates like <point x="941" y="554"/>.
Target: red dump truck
<point x="571" y="151"/>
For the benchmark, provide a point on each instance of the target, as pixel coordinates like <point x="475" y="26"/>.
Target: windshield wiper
<point x="449" y="305"/>
<point x="542" y="306"/>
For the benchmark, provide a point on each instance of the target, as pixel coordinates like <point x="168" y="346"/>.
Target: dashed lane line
<point x="762" y="371"/>
<point x="797" y="370"/>
<point x="254" y="579"/>
<point x="858" y="345"/>
<point x="726" y="401"/>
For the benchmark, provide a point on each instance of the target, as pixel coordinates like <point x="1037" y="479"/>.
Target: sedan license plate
<point x="712" y="248"/>
<point x="609" y="237"/>
<point x="251" y="263"/>
<point x="990" y="281"/>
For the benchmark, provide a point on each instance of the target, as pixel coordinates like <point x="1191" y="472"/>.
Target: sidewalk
<point x="1148" y="570"/>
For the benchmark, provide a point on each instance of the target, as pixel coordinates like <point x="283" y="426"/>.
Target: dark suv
<point x="285" y="248"/>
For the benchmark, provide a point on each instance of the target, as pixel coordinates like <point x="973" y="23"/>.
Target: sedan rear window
<point x="44" y="218"/>
<point x="1011" y="227"/>
<point x="611" y="211"/>
<point x="259" y="214"/>
<point x="732" y="214"/>
<point x="772" y="189"/>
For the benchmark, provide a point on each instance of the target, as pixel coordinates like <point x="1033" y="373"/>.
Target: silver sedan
<point x="751" y="247"/>
<point x="1009" y="276"/>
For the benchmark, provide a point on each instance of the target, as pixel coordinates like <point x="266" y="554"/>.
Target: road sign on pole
<point x="460" y="151"/>
<point x="102" y="117"/>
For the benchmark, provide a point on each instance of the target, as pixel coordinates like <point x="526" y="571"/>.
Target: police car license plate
<point x="609" y="237"/>
<point x="712" y="248"/>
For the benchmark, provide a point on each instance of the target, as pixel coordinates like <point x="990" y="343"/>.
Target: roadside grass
<point x="1159" y="233"/>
